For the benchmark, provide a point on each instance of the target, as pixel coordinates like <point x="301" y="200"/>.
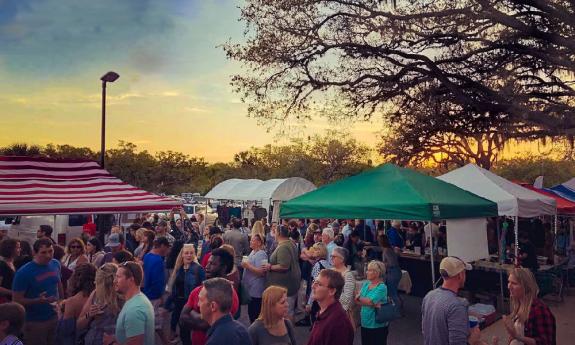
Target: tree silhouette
<point x="479" y="66"/>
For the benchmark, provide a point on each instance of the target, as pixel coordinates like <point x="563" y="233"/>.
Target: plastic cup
<point x="264" y="262"/>
<point x="245" y="258"/>
<point x="473" y="322"/>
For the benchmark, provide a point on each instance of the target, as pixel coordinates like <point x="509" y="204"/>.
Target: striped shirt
<point x="444" y="318"/>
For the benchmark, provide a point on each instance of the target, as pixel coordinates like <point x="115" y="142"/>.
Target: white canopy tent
<point x="257" y="190"/>
<point x="570" y="184"/>
<point x="512" y="199"/>
<point x="268" y="192"/>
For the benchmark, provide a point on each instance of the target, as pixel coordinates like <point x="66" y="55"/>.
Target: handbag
<point x="387" y="312"/>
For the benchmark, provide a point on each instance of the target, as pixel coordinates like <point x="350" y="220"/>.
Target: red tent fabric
<point x="564" y="206"/>
<point x="35" y="186"/>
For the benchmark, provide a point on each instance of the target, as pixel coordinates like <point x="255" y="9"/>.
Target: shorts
<point x="159" y="312"/>
<point x="292" y="304"/>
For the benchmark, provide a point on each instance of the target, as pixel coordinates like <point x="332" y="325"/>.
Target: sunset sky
<point x="173" y="93"/>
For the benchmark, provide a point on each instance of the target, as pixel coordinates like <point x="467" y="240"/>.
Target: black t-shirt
<point x="7" y="275"/>
<point x="531" y="260"/>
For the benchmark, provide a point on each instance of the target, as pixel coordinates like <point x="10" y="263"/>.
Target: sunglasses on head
<point x="129" y="266"/>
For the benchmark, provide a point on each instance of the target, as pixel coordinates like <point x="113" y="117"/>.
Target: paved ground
<point x="407" y="331"/>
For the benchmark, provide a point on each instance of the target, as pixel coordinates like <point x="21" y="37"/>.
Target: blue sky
<point x="173" y="93"/>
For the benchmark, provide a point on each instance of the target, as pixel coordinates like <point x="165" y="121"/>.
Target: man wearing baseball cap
<point x="444" y="316"/>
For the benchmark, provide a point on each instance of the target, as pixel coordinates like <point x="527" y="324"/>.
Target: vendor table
<point x="419" y="272"/>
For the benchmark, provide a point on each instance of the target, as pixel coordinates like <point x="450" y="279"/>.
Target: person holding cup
<point x="253" y="279"/>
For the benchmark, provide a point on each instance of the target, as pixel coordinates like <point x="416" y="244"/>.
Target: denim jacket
<point x="194" y="277"/>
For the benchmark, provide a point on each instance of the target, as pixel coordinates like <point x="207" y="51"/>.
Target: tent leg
<point x="516" y="240"/>
<point x="501" y="249"/>
<point x="431" y="257"/>
<point x="556" y="226"/>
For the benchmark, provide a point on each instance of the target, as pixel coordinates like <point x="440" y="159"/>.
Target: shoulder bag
<point x="387" y="312"/>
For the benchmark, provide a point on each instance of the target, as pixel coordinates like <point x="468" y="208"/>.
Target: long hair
<point x="82" y="280"/>
<point x="270" y="298"/>
<point x="258" y="228"/>
<point x="520" y="308"/>
<point x="105" y="292"/>
<point x="179" y="263"/>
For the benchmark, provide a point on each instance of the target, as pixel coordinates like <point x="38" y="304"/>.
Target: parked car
<point x="193" y="209"/>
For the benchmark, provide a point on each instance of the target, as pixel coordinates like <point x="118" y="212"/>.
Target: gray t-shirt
<point x="239" y="241"/>
<point x="255" y="284"/>
<point x="260" y="335"/>
<point x="444" y="318"/>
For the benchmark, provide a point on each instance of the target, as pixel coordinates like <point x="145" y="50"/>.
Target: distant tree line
<point x="320" y="159"/>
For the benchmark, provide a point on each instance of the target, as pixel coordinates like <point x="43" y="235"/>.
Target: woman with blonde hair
<point x="186" y="276"/>
<point x="75" y="254"/>
<point x="258" y="228"/>
<point x="319" y="252"/>
<point x="254" y="276"/>
<point x="273" y="326"/>
<point x="98" y="316"/>
<point x="530" y="322"/>
<point x="146" y="243"/>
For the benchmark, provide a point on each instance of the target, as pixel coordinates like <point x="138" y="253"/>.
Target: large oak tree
<point x="459" y="68"/>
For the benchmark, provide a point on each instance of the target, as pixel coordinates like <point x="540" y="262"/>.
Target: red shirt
<point x="200" y="337"/>
<point x="205" y="259"/>
<point x="541" y="324"/>
<point x="332" y="327"/>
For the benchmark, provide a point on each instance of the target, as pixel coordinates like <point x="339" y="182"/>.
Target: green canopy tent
<point x="390" y="192"/>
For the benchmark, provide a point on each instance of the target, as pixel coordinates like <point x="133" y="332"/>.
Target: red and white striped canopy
<point x="33" y="186"/>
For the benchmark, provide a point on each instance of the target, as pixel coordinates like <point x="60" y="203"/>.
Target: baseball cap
<point x="113" y="240"/>
<point x="453" y="265"/>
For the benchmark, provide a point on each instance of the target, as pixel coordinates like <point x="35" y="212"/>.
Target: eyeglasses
<point x="75" y="247"/>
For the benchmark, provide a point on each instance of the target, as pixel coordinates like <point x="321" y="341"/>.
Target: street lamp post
<point x="109" y="77"/>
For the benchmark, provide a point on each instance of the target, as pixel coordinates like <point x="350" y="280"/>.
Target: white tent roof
<point x="511" y="198"/>
<point x="258" y="190"/>
<point x="570" y="184"/>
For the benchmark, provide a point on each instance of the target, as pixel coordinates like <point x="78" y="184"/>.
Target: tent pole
<point x="516" y="240"/>
<point x="431" y="257"/>
<point x="555" y="239"/>
<point x="500" y="250"/>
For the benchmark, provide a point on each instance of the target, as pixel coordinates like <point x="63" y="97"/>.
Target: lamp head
<point x="110" y="77"/>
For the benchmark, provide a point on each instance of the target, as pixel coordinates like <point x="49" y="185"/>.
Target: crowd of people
<point x="178" y="280"/>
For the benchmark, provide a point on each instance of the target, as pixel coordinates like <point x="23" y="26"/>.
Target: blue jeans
<point x="393" y="276"/>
